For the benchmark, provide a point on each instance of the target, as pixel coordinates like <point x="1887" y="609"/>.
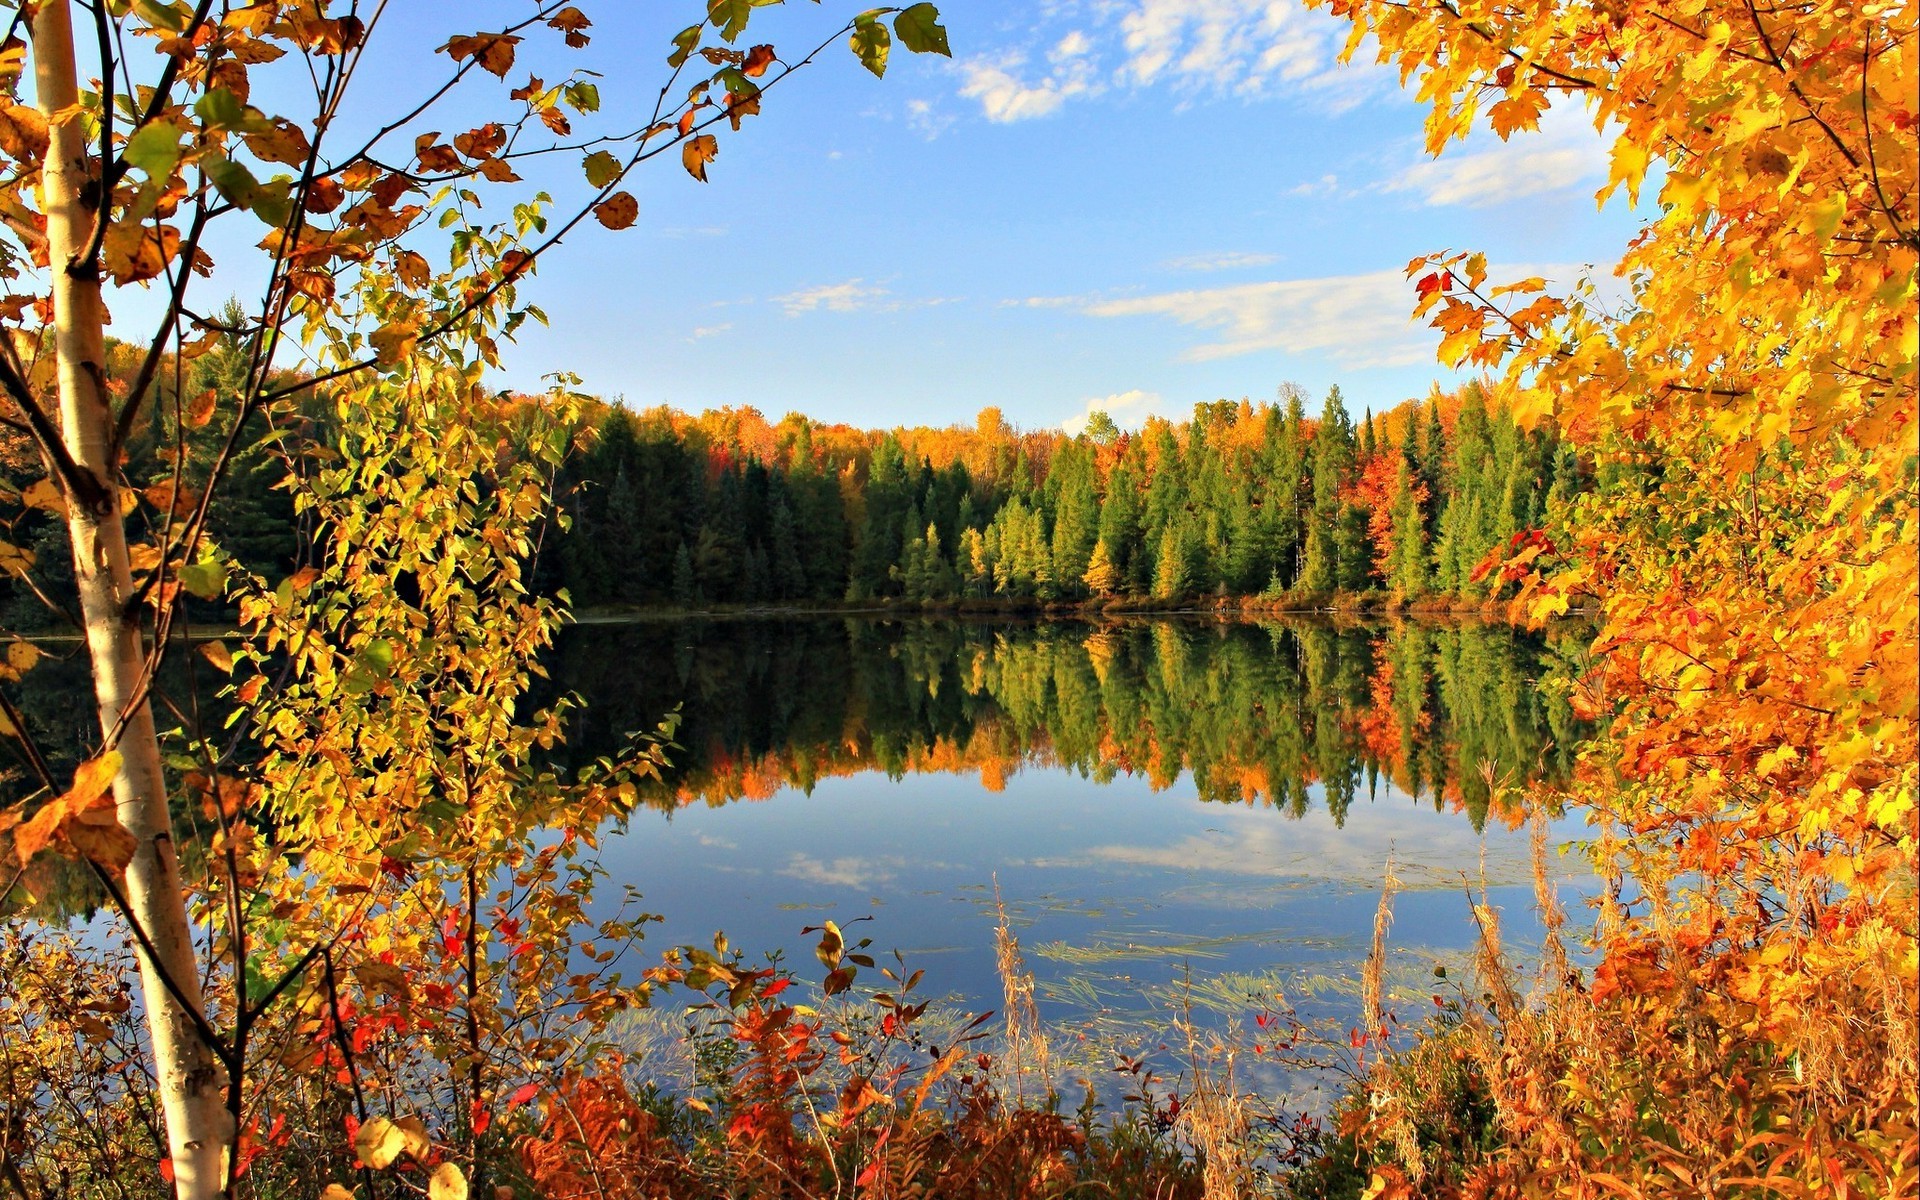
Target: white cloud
<point x="1228" y="261"/>
<point x="1240" y="47"/>
<point x="1004" y="97"/>
<point x="1355" y="320"/>
<point x="1326" y="185"/>
<point x="850" y="296"/>
<point x="1244" y="48"/>
<point x="1360" y="319"/>
<point x="926" y="120"/>
<point x="1563" y="152"/>
<point x="1128" y="408"/>
<point x="707" y="331"/>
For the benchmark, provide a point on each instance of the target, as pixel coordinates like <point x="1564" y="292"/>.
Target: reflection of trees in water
<point x="1255" y="712"/>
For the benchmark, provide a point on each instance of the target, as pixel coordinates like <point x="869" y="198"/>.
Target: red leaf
<point x="522" y="1094"/>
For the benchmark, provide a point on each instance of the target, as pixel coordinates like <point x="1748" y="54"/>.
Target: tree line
<point x="1237" y="501"/>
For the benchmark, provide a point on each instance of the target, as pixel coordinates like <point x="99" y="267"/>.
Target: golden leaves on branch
<point x="381" y="1141"/>
<point x="83" y="822"/>
<point x="492" y="51"/>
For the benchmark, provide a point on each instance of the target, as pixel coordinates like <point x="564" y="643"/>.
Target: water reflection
<point x="1276" y="714"/>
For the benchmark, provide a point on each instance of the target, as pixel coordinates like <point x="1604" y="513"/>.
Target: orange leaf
<point x="493" y="51"/>
<point x="757" y="61"/>
<point x="617" y="211"/>
<point x="697" y="153"/>
<point x="82" y="823"/>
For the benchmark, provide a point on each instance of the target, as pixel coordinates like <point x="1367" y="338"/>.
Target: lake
<point x="1175" y="812"/>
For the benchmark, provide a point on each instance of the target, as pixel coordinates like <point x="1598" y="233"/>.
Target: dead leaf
<point x="697" y="152"/>
<point x="617" y="211"/>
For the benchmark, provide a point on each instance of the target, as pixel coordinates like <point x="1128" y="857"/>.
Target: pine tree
<point x="686" y="592"/>
<point x="1408" y="561"/>
<point x="1102" y="577"/>
<point x="1172" y="577"/>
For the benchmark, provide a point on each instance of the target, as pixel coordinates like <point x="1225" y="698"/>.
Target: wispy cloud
<point x="707" y="331"/>
<point x="1355" y="320"/>
<point x="1360" y="320"/>
<point x="1005" y="96"/>
<point x="851" y="296"/>
<point x="1248" y="49"/>
<point x="1562" y="153"/>
<point x="1229" y="261"/>
<point x="852" y="872"/>
<point x="1239" y="47"/>
<point x="926" y="119"/>
<point x="1128" y="408"/>
<point x="1326" y="185"/>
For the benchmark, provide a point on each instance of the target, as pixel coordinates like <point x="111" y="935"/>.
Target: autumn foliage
<point x="1748" y="1024"/>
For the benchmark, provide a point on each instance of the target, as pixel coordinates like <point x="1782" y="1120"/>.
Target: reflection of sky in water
<point x="1114" y="890"/>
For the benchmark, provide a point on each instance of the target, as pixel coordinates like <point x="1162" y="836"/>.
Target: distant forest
<point x="1258" y="503"/>
<point x="1240" y="501"/>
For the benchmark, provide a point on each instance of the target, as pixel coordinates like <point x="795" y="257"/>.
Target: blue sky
<point x="1133" y="205"/>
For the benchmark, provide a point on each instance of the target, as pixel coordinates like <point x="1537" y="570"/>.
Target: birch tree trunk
<point x="191" y="1082"/>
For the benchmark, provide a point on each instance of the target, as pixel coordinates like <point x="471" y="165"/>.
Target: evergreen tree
<point x="1076" y="512"/>
<point x="686" y="591"/>
<point x="1119" y="532"/>
<point x="878" y="541"/>
<point x="1172" y="575"/>
<point x="1102" y="577"/>
<point x="1408" y="556"/>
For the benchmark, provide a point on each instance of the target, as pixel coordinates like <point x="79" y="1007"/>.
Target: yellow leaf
<point x="697" y="152"/>
<point x="447" y="1183"/>
<point x="382" y="1141"/>
<point x="217" y="653"/>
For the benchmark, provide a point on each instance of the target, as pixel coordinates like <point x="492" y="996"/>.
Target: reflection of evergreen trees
<point x="1254" y="712"/>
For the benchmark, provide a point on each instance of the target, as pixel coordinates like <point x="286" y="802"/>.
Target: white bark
<point x="191" y="1080"/>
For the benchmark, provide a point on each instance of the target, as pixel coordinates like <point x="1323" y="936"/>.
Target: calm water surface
<point x="1169" y="807"/>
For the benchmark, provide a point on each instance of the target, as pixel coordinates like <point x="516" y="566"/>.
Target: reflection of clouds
<point x="851" y="871"/>
<point x="1429" y="849"/>
<point x="857" y="871"/>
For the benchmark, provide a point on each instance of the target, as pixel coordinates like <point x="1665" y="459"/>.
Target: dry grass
<point x="1027" y="1053"/>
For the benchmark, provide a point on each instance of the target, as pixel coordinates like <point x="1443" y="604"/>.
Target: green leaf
<point x="220" y="109"/>
<point x="173" y="18"/>
<point x="921" y="32"/>
<point x="273" y="201"/>
<point x="683" y="44"/>
<point x="376" y="657"/>
<point x="584" y="96"/>
<point x="870" y="42"/>
<point x="602" y="169"/>
<point x="232" y="179"/>
<point x="154" y="149"/>
<point x="205" y="579"/>
<point x="729" y="17"/>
